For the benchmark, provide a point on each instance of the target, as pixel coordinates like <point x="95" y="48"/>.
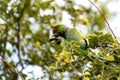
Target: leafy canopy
<point x="24" y="41"/>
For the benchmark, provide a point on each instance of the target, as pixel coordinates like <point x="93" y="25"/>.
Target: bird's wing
<point x="74" y="34"/>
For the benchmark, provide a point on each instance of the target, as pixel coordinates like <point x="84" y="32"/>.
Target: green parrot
<point x="70" y="34"/>
<point x="73" y="34"/>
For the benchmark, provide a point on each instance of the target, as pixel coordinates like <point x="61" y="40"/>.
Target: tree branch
<point x="18" y="36"/>
<point x="19" y="46"/>
<point x="12" y="69"/>
<point x="103" y="18"/>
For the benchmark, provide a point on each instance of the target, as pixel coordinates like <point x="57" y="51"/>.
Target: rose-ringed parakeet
<point x="73" y="34"/>
<point x="70" y="34"/>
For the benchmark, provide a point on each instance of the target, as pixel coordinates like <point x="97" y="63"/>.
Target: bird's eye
<point x="54" y="31"/>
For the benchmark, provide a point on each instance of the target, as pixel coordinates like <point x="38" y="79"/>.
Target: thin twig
<point x="12" y="69"/>
<point x="18" y="36"/>
<point x="7" y="64"/>
<point x="103" y="18"/>
<point x="19" y="46"/>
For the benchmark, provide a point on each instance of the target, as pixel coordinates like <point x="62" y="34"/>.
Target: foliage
<point x="24" y="41"/>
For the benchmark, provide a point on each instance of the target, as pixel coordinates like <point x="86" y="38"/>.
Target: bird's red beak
<point x="54" y="31"/>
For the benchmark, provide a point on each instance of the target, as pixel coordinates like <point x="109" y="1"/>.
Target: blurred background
<point x="25" y="29"/>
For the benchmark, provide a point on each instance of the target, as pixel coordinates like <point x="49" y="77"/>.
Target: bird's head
<point x="59" y="30"/>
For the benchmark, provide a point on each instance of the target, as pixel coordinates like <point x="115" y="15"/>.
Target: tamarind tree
<point x="25" y="30"/>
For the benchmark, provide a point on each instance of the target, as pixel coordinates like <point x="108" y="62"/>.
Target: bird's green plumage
<point x="71" y="34"/>
<point x="76" y="35"/>
<point x="61" y="28"/>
